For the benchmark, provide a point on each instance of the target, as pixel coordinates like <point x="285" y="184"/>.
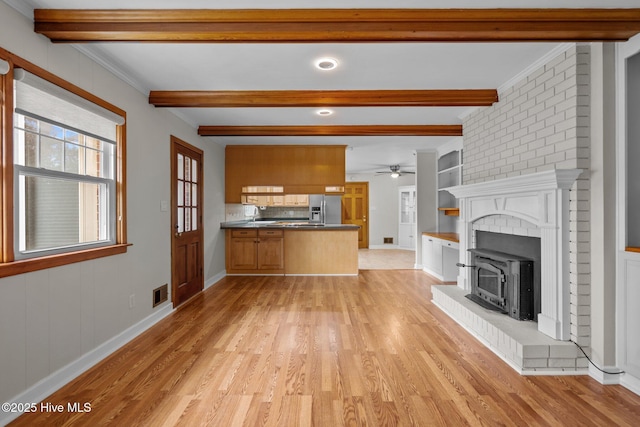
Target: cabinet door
<point x="271" y="253"/>
<point x="406" y="234"/>
<point x="427" y="253"/>
<point x="243" y="253"/>
<point x="437" y="256"/>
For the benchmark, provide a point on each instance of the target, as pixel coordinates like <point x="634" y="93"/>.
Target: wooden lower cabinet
<point x="255" y="251"/>
<point x="292" y="252"/>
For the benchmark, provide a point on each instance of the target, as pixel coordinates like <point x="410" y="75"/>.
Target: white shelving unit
<point x="449" y="175"/>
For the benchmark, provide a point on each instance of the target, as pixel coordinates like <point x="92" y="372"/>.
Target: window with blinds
<point x="64" y="170"/>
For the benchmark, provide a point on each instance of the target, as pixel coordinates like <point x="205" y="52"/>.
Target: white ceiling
<point x="167" y="66"/>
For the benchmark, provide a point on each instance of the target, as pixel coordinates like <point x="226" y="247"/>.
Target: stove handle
<point x="459" y="264"/>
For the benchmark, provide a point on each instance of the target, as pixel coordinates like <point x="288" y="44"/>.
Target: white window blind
<point x="39" y="98"/>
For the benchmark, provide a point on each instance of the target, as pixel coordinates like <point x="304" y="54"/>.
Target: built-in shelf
<point x="632" y="249"/>
<point x="450" y="211"/>
<point x="449" y="175"/>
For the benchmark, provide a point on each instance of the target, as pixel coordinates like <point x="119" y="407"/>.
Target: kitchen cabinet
<point x="440" y="255"/>
<point x="291" y="250"/>
<point x="304" y="169"/>
<point x="255" y="251"/>
<point x="407" y="216"/>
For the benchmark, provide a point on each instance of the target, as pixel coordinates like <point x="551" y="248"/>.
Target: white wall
<point x="427" y="195"/>
<point x="603" y="204"/>
<point x="51" y="318"/>
<point x="383" y="205"/>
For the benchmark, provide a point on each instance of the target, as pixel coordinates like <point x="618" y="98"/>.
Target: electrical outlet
<point x="132" y="300"/>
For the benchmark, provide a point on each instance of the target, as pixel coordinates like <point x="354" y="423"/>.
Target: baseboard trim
<point x="390" y="247"/>
<point x="215" y="279"/>
<point x="321" y="274"/>
<point x="64" y="375"/>
<point x="604" y="378"/>
<point x="387" y="246"/>
<point x="630" y="382"/>
<point x="626" y="380"/>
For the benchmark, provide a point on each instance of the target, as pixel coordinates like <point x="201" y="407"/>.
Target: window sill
<point x="34" y="264"/>
<point x="632" y="249"/>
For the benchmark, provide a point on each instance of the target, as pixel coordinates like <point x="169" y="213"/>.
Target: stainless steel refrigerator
<point x="325" y="209"/>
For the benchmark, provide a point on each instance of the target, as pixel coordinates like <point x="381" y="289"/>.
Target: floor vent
<point x="160" y="294"/>
<point x="388" y="240"/>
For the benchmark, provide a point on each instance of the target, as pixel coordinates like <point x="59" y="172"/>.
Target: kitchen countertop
<point x="452" y="237"/>
<point x="286" y="225"/>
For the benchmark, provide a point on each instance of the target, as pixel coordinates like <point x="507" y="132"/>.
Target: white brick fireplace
<point x="534" y="205"/>
<point x="541" y="199"/>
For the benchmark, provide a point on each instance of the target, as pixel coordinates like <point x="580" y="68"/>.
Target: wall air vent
<point x="160" y="294"/>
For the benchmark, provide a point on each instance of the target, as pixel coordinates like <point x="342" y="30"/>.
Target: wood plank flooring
<point x="386" y="259"/>
<point x="324" y="351"/>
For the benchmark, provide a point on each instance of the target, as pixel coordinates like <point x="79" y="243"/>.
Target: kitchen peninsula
<point x="290" y="248"/>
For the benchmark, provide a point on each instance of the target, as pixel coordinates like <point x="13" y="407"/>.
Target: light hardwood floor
<point x="386" y="259"/>
<point x="324" y="351"/>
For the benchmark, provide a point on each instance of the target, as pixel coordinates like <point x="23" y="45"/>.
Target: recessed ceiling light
<point x="324" y="112"/>
<point x="326" y="64"/>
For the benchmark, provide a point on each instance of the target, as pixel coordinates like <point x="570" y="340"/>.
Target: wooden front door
<point x="187" y="258"/>
<point x="355" y="209"/>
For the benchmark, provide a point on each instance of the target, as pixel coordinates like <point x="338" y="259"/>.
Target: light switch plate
<point x="164" y="206"/>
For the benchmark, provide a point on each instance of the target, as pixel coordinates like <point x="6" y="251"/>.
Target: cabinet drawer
<point x="244" y="233"/>
<point x="270" y="233"/>
<point x="452" y="245"/>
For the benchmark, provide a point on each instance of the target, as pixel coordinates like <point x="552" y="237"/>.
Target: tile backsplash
<point x="236" y="212"/>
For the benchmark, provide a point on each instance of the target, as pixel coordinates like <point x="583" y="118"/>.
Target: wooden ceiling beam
<point x="325" y="98"/>
<point x="348" y="130"/>
<point x="337" y="25"/>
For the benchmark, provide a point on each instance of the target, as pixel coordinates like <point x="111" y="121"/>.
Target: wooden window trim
<point x="8" y="265"/>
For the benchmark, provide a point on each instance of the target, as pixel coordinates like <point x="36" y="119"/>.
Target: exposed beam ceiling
<point x="351" y="130"/>
<point x="326" y="98"/>
<point x="337" y="25"/>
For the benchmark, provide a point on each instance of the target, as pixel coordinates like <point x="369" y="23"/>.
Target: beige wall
<point x="51" y="318"/>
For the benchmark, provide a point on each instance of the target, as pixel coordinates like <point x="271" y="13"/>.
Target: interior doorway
<point x="187" y="234"/>
<point x="355" y="209"/>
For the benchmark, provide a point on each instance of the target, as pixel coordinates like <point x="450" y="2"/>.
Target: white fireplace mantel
<point x="541" y="199"/>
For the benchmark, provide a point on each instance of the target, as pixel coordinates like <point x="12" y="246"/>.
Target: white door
<point x="407" y="217"/>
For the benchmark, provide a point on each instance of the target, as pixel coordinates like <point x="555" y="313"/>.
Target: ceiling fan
<point x="395" y="172"/>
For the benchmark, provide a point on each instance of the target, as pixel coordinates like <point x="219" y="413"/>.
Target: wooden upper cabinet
<point x="299" y="169"/>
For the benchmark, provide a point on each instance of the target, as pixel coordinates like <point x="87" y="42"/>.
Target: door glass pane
<point x="180" y="220"/>
<point x="194" y="218"/>
<point x="194" y="170"/>
<point x="187" y="219"/>
<point x="187" y="169"/>
<point x="194" y="194"/>
<point x="187" y="194"/>
<point x="180" y="166"/>
<point x="180" y="193"/>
